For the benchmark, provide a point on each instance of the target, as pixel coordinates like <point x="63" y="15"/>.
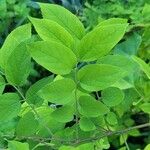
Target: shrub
<point x="87" y="102"/>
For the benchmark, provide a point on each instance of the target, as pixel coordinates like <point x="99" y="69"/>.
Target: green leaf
<point x="47" y="123"/>
<point x="144" y="67"/>
<point x="2" y="84"/>
<point x="18" y="66"/>
<point x="121" y="61"/>
<point x="63" y="17"/>
<point x="50" y="30"/>
<point x="111" y="118"/>
<point x="59" y="91"/>
<point x="92" y="108"/>
<point x="53" y="56"/>
<point x="86" y="124"/>
<point x="145" y="107"/>
<point x="8" y="126"/>
<point x="32" y="96"/>
<point x="147" y="147"/>
<point x="15" y="145"/>
<point x="129" y="46"/>
<point x="63" y="114"/>
<point x="17" y="36"/>
<point x="27" y="125"/>
<point x="100" y="41"/>
<point x="111" y="21"/>
<point x="86" y="146"/>
<point x="95" y="77"/>
<point x="9" y="106"/>
<point x="67" y="148"/>
<point x="112" y="96"/>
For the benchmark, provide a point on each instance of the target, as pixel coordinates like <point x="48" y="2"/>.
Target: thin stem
<point x="119" y="132"/>
<point x="76" y="103"/>
<point x="125" y="141"/>
<point x="97" y="95"/>
<point x="74" y="142"/>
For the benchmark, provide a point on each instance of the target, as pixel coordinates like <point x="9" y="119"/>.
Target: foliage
<point x="88" y="101"/>
<point x="12" y="13"/>
<point x="137" y="11"/>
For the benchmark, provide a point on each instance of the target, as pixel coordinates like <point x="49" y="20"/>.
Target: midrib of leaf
<point x="55" y="35"/>
<point x="66" y="25"/>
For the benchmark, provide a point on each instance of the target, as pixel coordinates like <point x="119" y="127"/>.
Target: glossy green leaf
<point x="96" y="77"/>
<point x="15" y="145"/>
<point x="17" y="36"/>
<point x="49" y="30"/>
<point x="145" y="107"/>
<point x="100" y="41"/>
<point x="18" y="66"/>
<point x="63" y="114"/>
<point x="86" y="124"/>
<point x="63" y="17"/>
<point x="112" y="96"/>
<point x="144" y="67"/>
<point x="53" y="56"/>
<point x="92" y="108"/>
<point x="32" y="96"/>
<point x="59" y="92"/>
<point x="111" y="118"/>
<point x="27" y="125"/>
<point x="9" y="106"/>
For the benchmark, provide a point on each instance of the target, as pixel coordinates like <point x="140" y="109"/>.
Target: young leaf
<point x="15" y="145"/>
<point x="63" y="17"/>
<point x="112" y="96"/>
<point x="145" y="107"/>
<point x="59" y="92"/>
<point x="100" y="41"/>
<point x="111" y="118"/>
<point x="144" y="67"/>
<point x="32" y="96"/>
<point x="86" y="124"/>
<point x="63" y="114"/>
<point x="9" y="106"/>
<point x="17" y="36"/>
<point x="53" y="56"/>
<point x="95" y="77"/>
<point x="27" y="125"/>
<point x="18" y="66"/>
<point x="92" y="108"/>
<point x="50" y="30"/>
